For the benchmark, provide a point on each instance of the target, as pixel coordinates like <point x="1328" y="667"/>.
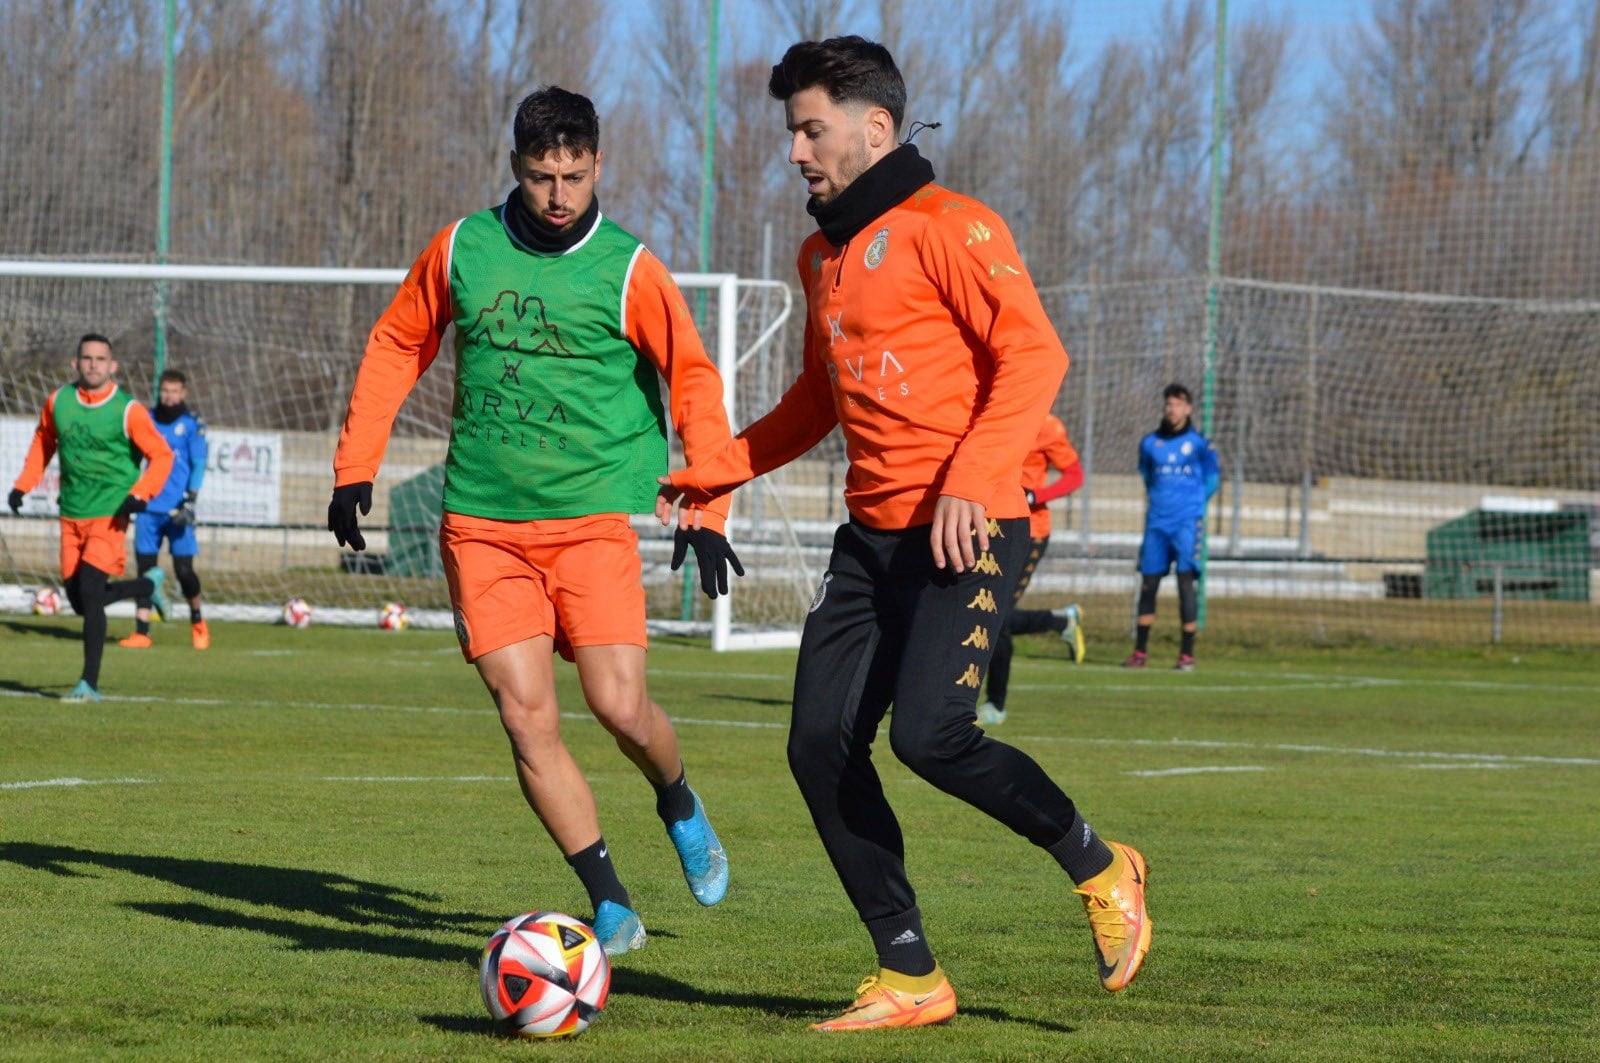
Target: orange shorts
<point x="98" y="541"/>
<point x="576" y="579"/>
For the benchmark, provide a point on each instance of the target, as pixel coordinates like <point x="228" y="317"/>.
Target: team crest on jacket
<point x="822" y="592"/>
<point x="877" y="249"/>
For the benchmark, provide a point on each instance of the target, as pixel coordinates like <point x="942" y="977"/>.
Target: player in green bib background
<point x="101" y="434"/>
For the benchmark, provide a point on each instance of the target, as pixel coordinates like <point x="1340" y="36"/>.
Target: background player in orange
<point x="925" y="342"/>
<point x="1051" y="449"/>
<point x="100" y="433"/>
<point x="563" y="321"/>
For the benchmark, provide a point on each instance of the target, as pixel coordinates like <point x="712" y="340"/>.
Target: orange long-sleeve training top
<point x="405" y="341"/>
<point x="1050" y="448"/>
<point x="141" y="430"/>
<point x="926" y="342"/>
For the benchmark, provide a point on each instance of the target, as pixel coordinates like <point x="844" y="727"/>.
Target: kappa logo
<point x="979" y="639"/>
<point x="877" y="249"/>
<point x="512" y="323"/>
<point x="822" y="592"/>
<point x="816" y="261"/>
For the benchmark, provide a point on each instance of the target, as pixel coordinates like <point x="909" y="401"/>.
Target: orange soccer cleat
<point x="135" y="641"/>
<point x="1114" y="900"/>
<point x="200" y="635"/>
<point x="879" y="1007"/>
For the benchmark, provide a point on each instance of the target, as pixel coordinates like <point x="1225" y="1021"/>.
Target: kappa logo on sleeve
<point x="512" y="323"/>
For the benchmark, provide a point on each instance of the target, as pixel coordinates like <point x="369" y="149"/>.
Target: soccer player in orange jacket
<point x="101" y="433"/>
<point x="1051" y="449"/>
<point x="926" y="343"/>
<point x="564" y="326"/>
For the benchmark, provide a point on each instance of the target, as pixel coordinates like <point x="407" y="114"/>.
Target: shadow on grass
<point x="378" y="915"/>
<point x="53" y="693"/>
<point x="801" y="1010"/>
<point x="52" y="631"/>
<point x="777" y="703"/>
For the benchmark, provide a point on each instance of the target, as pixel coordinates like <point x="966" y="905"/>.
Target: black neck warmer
<point x="1166" y="431"/>
<point x="168" y="414"/>
<point x="533" y="233"/>
<point x="886" y="182"/>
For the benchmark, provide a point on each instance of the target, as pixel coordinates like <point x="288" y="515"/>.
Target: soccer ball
<point x="297" y="612"/>
<point x="46" y="601"/>
<point x="394" y="617"/>
<point x="544" y="975"/>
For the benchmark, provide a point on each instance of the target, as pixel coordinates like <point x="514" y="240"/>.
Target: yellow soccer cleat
<point x="879" y="1007"/>
<point x="1114" y="900"/>
<point x="200" y="635"/>
<point x="135" y="641"/>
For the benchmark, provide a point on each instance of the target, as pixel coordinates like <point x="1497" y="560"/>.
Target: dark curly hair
<point x="553" y="118"/>
<point x="851" y="69"/>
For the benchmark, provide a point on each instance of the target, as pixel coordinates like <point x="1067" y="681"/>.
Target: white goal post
<point x="741" y="319"/>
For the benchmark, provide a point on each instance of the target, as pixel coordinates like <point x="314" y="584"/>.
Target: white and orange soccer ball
<point x="394" y="617"/>
<point x="297" y="612"/>
<point x="46" y="601"/>
<point x="544" y="975"/>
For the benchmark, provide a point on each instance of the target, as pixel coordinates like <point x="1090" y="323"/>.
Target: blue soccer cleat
<point x="618" y="928"/>
<point x="83" y="692"/>
<point x="705" y="865"/>
<point x="158" y="596"/>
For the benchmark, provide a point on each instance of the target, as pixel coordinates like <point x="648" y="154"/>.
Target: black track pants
<point x="887" y="627"/>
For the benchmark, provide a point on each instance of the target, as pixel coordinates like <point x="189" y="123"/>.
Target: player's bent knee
<point x="931" y="751"/>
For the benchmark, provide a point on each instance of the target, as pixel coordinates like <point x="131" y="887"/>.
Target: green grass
<point x="324" y="829"/>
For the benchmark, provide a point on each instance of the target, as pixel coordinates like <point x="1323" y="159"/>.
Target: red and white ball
<point x="394" y="617"/>
<point x="544" y="975"/>
<point x="297" y="612"/>
<point x="47" y="601"/>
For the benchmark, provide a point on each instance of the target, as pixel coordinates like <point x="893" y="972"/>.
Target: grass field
<point x="294" y="845"/>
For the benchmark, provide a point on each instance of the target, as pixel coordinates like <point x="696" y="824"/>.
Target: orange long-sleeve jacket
<point x="405" y="341"/>
<point x="142" y="432"/>
<point x="1050" y="448"/>
<point x="926" y="342"/>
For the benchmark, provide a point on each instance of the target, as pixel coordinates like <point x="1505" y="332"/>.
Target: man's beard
<point x="852" y="167"/>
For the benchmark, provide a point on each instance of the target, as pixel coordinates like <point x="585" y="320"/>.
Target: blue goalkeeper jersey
<point x="186" y="435"/>
<point x="1180" y="473"/>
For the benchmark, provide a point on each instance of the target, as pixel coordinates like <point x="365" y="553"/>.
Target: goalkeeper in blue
<point x="1181" y="473"/>
<point x="170" y="517"/>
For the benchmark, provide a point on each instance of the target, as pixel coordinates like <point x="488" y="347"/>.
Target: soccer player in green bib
<point x="564" y="327"/>
<point x="101" y="434"/>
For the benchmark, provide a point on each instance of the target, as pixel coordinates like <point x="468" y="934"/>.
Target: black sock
<point x="1187" y="647"/>
<point x="674" y="800"/>
<point x="900" y="944"/>
<point x="1141" y="638"/>
<point x="194" y="614"/>
<point x="141" y="624"/>
<point x="1081" y="854"/>
<point x="598" y="876"/>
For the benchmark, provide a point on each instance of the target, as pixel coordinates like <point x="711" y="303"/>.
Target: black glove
<point x="712" y="552"/>
<point x="129" y="507"/>
<point x="1032" y="504"/>
<point x="183" y="516"/>
<point x="15" y="501"/>
<point x="342" y="513"/>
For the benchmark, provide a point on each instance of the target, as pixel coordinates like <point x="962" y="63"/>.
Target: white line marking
<point x="1196" y="771"/>
<point x="68" y="782"/>
<point x="1449" y="767"/>
<point x="1182" y="743"/>
<point x="416" y="778"/>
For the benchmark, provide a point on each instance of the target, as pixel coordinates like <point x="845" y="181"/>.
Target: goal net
<point x="271" y="355"/>
<point x="1402" y="469"/>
